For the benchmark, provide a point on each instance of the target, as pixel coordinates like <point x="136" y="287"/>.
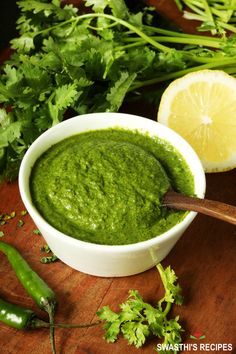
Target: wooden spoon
<point x="213" y="208"/>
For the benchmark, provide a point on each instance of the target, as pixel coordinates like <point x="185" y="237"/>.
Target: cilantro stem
<point x="208" y="11"/>
<point x="168" y="279"/>
<point x="179" y="34"/>
<point x="162" y="276"/>
<point x="204" y="59"/>
<point x="227" y="26"/>
<point x="167" y="309"/>
<point x="182" y="40"/>
<point x="161" y="273"/>
<point x="215" y="64"/>
<point x="124" y="23"/>
<point x="186" y="40"/>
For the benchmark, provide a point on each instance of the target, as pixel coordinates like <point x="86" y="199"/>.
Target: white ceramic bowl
<point x="104" y="260"/>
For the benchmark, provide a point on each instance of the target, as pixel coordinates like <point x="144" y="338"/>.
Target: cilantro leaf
<point x="9" y="134"/>
<point x="24" y="43"/>
<point x="106" y="313"/>
<point x="117" y="93"/>
<point x="112" y="325"/>
<point x="48" y="9"/>
<point x="9" y="130"/>
<point x="119" y="8"/>
<point x="60" y="99"/>
<point x="130" y="321"/>
<point x="97" y="5"/>
<point x="135" y="333"/>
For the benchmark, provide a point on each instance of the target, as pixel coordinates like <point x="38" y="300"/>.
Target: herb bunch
<point x="66" y="62"/>
<point x="216" y="16"/>
<point x="138" y="319"/>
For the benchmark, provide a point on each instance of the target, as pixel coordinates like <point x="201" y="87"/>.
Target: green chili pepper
<point x="40" y="292"/>
<point x="19" y="317"/>
<point x="23" y="318"/>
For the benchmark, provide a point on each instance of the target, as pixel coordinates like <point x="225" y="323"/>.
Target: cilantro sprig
<point x="68" y="62"/>
<point x="138" y="319"/>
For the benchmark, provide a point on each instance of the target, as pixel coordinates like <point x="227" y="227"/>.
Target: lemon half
<point x="201" y="107"/>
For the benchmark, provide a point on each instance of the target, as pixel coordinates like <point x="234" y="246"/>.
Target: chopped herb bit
<point x="5" y="217"/>
<point x="36" y="232"/>
<point x="2" y="222"/>
<point x="45" y="248"/>
<point x="21" y="223"/>
<point x="1" y="233"/>
<point x="23" y="212"/>
<point x="49" y="259"/>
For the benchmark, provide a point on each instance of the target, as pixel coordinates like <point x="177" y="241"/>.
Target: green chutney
<point x="106" y="186"/>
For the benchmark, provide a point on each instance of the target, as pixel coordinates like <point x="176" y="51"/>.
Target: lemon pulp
<point x="201" y="107"/>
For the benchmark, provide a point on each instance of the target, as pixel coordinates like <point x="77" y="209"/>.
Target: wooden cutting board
<point x="204" y="260"/>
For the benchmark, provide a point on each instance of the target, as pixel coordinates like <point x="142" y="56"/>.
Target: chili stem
<point x="52" y="329"/>
<point x="68" y="325"/>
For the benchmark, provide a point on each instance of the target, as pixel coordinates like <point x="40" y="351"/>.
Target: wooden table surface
<point x="204" y="260"/>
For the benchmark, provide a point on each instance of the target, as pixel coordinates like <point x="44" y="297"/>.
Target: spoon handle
<point x="216" y="209"/>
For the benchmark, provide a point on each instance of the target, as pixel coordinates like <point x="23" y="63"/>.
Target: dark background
<point x="8" y="16"/>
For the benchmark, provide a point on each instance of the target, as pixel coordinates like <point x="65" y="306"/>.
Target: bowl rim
<point x="25" y="168"/>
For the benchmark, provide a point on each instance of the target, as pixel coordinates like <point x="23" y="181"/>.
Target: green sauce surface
<point x="106" y="186"/>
